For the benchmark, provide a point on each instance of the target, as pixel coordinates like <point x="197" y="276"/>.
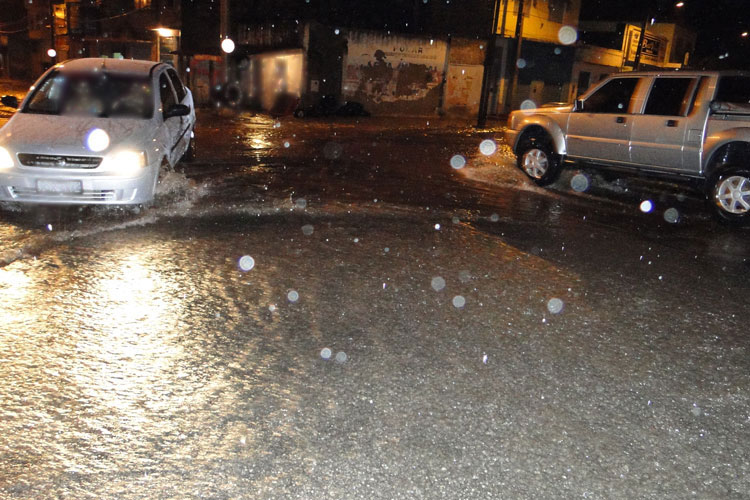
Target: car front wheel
<point x="539" y="161"/>
<point x="728" y="195"/>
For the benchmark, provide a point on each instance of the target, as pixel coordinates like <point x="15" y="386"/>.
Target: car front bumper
<point x="44" y="186"/>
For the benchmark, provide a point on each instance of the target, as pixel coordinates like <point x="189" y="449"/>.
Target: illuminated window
<point x="142" y="4"/>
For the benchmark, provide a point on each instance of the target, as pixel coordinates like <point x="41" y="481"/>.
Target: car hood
<point x="66" y="135"/>
<point x="546" y="110"/>
<point x="523" y="115"/>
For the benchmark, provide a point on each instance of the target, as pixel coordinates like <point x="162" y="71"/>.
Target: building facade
<point x="611" y="47"/>
<point x="132" y="29"/>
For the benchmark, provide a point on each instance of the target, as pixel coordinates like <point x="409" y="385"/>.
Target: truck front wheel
<point x="728" y="195"/>
<point x="538" y="160"/>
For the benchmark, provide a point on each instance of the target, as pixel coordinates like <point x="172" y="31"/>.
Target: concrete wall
<point x="394" y="74"/>
<point x="464" y="80"/>
<point x="463" y="89"/>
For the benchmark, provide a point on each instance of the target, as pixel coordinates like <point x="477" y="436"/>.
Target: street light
<point x="52" y="53"/>
<point x="227" y="45"/>
<point x="166" y="32"/>
<point x="679" y="4"/>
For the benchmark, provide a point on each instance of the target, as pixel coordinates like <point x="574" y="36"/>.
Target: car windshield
<point x="98" y="94"/>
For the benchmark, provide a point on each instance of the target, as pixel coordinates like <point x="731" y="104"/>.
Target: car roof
<point x="129" y="66"/>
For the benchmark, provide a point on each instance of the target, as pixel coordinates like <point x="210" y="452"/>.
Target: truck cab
<point x="690" y="125"/>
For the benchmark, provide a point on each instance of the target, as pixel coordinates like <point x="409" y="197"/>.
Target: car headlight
<point x="124" y="162"/>
<point x="6" y="160"/>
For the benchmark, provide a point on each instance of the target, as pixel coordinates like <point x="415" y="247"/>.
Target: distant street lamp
<point x="679" y="4"/>
<point x="744" y="34"/>
<point x="52" y="53"/>
<point x="227" y="45"/>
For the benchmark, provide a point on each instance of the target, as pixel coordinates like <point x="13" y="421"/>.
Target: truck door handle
<point x="620" y="119"/>
<point x="671" y="123"/>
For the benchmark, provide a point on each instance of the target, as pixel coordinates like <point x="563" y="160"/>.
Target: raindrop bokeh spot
<point x="671" y="215"/>
<point x="97" y="140"/>
<point x="567" y="35"/>
<point x="580" y="182"/>
<point x="528" y="104"/>
<point x="487" y="147"/>
<point x="438" y="283"/>
<point x="459" y="301"/>
<point x="292" y="296"/>
<point x="246" y="263"/>
<point x="458" y="162"/>
<point x="555" y="305"/>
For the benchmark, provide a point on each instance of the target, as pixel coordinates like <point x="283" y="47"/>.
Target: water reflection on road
<point x="118" y="354"/>
<point x="139" y="361"/>
<point x="147" y="359"/>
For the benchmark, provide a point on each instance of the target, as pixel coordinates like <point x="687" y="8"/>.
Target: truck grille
<point x="57" y="161"/>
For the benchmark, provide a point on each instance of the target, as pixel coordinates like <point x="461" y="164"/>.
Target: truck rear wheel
<point x="728" y="195"/>
<point x="538" y="160"/>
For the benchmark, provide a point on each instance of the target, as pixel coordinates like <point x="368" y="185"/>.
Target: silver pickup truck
<point x="689" y="125"/>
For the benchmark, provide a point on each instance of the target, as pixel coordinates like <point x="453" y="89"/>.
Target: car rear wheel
<point x="728" y="195"/>
<point x="539" y="161"/>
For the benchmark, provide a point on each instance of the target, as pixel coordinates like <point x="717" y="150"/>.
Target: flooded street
<point x="330" y="309"/>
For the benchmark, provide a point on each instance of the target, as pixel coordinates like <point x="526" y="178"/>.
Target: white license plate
<point x="45" y="186"/>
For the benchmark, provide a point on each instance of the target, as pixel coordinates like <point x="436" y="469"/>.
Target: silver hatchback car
<point x="96" y="131"/>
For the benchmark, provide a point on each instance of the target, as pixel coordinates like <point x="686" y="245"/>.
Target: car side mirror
<point x="578" y="105"/>
<point x="10" y="100"/>
<point x="177" y="110"/>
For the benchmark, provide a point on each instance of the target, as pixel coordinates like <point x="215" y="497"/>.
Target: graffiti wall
<point x="391" y="74"/>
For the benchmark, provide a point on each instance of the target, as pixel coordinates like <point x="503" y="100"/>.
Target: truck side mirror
<point x="10" y="100"/>
<point x="578" y="105"/>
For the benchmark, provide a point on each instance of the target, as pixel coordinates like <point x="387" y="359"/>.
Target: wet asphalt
<point x="327" y="309"/>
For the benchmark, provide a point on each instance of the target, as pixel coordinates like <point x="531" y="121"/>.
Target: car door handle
<point x="671" y="123"/>
<point x="620" y="119"/>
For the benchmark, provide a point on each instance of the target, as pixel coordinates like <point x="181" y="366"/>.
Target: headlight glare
<point x="125" y="162"/>
<point x="6" y="160"/>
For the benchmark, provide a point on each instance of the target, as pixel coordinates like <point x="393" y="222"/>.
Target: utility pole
<point x="639" y="49"/>
<point x="489" y="63"/>
<point x="52" y="33"/>
<point x="505" y="16"/>
<point x="224" y="33"/>
<point x="514" y="68"/>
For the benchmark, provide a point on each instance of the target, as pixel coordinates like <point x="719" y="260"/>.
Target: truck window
<point x="734" y="89"/>
<point x="670" y="97"/>
<point x="613" y="97"/>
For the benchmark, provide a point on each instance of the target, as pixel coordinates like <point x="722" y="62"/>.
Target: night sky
<point x="719" y="23"/>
